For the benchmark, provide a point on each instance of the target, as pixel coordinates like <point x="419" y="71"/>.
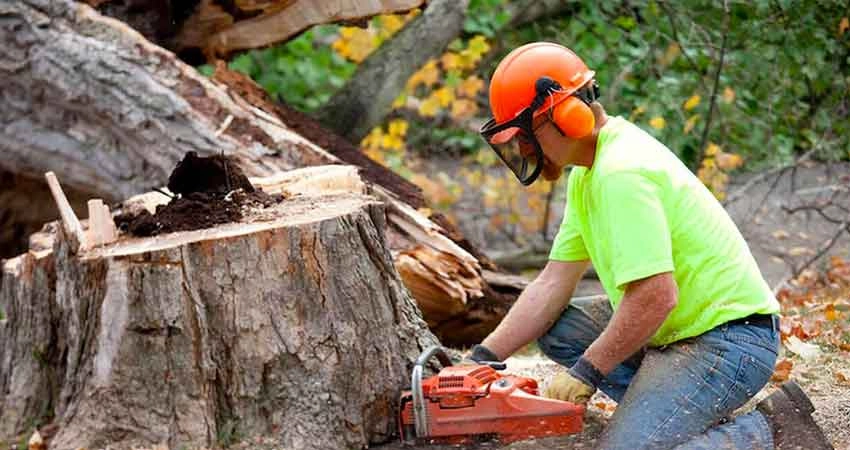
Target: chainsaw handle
<point x="420" y="416"/>
<point x="430" y="352"/>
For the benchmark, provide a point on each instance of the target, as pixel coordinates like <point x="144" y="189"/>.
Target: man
<point x="689" y="331"/>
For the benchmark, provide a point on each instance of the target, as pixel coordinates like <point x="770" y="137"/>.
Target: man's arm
<point x="645" y="306"/>
<point x="537" y="308"/>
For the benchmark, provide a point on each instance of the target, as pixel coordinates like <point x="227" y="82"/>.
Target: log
<point x="89" y="98"/>
<point x="256" y="327"/>
<point x="211" y="29"/>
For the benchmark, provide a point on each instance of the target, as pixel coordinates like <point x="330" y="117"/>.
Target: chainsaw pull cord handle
<point x="420" y="415"/>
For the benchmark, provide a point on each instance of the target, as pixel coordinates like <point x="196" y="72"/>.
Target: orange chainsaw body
<point x="465" y="401"/>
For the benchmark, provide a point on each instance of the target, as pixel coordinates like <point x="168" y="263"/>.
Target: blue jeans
<point x="679" y="395"/>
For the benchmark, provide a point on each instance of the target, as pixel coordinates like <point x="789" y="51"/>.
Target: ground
<point x="817" y="376"/>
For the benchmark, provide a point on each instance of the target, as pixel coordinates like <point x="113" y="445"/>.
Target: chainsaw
<point x="469" y="402"/>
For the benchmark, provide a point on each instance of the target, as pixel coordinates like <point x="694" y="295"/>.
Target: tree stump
<point x="293" y="323"/>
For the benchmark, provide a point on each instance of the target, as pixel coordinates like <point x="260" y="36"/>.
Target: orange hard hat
<point x="512" y="87"/>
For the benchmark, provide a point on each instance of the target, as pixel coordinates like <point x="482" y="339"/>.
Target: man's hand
<point x="568" y="388"/>
<point x="478" y="355"/>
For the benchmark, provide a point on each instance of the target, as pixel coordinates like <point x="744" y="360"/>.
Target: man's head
<point x="540" y="96"/>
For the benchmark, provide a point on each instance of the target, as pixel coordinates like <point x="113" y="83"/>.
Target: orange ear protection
<point x="572" y="116"/>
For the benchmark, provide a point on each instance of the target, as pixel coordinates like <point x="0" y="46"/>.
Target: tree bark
<point x="368" y="96"/>
<point x="255" y="328"/>
<point x="111" y="114"/>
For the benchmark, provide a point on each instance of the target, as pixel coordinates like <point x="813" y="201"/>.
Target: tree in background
<point x="726" y="85"/>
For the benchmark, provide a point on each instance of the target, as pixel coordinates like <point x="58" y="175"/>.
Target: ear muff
<point x="574" y="118"/>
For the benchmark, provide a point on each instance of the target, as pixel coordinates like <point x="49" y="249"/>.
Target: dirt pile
<point x="209" y="191"/>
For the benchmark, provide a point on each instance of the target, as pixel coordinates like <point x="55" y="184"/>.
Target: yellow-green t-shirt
<point x="638" y="211"/>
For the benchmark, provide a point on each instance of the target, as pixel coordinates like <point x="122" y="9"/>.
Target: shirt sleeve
<point x="568" y="245"/>
<point x="635" y="224"/>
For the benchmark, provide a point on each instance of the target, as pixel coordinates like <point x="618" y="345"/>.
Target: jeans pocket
<point x="751" y="376"/>
<point x="766" y="338"/>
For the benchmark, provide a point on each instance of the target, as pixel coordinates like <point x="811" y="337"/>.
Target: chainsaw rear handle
<point x="420" y="416"/>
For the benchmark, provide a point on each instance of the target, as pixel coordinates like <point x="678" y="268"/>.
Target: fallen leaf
<point x="780" y="234"/>
<point x="830" y="313"/>
<point x="800" y="251"/>
<point x="843" y="376"/>
<point x="36" y="442"/>
<point x="782" y="370"/>
<point x="803" y="349"/>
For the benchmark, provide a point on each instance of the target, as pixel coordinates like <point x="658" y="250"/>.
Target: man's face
<point x="556" y="147"/>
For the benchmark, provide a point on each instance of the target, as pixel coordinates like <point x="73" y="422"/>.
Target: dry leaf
<point x="800" y="251"/>
<point x="803" y="349"/>
<point x="843" y="376"/>
<point x="36" y="442"/>
<point x="782" y="370"/>
<point x="780" y="234"/>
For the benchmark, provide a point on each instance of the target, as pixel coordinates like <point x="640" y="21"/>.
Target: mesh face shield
<point x="516" y="145"/>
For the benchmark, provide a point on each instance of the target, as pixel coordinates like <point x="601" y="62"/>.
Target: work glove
<point x="568" y="388"/>
<point x="479" y="354"/>
<point x="575" y="385"/>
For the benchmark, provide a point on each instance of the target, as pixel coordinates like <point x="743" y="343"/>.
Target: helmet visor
<point x="517" y="147"/>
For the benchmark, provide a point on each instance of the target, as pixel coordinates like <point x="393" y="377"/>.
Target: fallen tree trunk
<point x="252" y="328"/>
<point x="90" y="99"/>
<point x="209" y="29"/>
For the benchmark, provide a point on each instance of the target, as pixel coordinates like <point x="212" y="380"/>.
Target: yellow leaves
<point x="378" y="142"/>
<point x="456" y="94"/>
<point x="463" y="109"/>
<point x="470" y="87"/>
<point x="444" y="95"/>
<point x="441" y="192"/>
<point x="712" y="171"/>
<point x="451" y="61"/>
<point x="728" y="161"/>
<point x="671" y="53"/>
<point x="657" y="122"/>
<point x="390" y="23"/>
<point x="429" y="107"/>
<point x="691" y="123"/>
<point x="843" y="26"/>
<point x="692" y="102"/>
<point x="439" y="99"/>
<point x="355" y="43"/>
<point x="398" y="127"/>
<point x="728" y="95"/>
<point x="637" y="112"/>
<point x="428" y="75"/>
<point x="478" y="46"/>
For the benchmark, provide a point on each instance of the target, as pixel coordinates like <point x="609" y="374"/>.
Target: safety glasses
<point x="516" y="145"/>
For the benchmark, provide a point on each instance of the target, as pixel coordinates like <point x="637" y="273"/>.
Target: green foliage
<point x="781" y="91"/>
<point x="485" y="17"/>
<point x="304" y="72"/>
